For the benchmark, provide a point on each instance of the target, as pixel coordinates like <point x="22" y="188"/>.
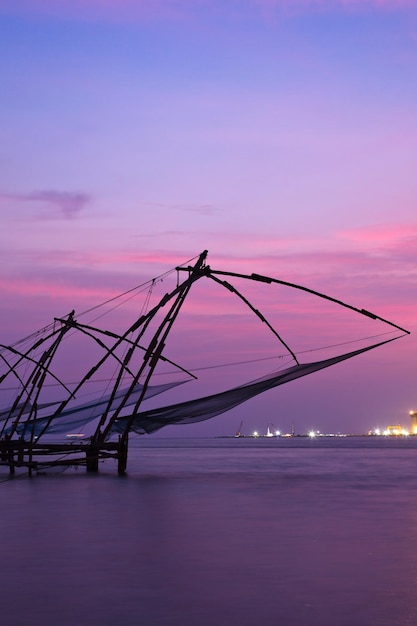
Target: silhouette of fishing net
<point x="210" y="406"/>
<point x="80" y="415"/>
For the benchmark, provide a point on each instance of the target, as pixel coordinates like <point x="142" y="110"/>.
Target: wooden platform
<point x="35" y="456"/>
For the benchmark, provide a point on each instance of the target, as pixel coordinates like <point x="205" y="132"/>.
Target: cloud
<point x="199" y="209"/>
<point x="362" y="263"/>
<point x="69" y="204"/>
<point x="383" y="235"/>
<point x="51" y="203"/>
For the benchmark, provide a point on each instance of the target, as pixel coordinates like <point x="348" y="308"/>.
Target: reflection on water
<point x="218" y="531"/>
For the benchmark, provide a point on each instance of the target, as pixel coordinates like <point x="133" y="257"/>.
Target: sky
<point x="280" y="136"/>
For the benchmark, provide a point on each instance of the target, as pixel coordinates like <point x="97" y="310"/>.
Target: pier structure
<point x="37" y="457"/>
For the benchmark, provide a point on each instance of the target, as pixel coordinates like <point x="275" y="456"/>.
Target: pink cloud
<point x="386" y="235"/>
<point x="41" y="286"/>
<point x="369" y="268"/>
<point x="361" y="277"/>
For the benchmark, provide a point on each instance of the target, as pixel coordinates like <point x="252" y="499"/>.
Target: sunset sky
<point x="281" y="135"/>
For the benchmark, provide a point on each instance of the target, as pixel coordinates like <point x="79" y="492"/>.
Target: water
<point x="217" y="532"/>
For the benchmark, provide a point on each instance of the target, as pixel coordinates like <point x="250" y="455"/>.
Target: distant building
<point x="395" y="429"/>
<point x="413" y="416"/>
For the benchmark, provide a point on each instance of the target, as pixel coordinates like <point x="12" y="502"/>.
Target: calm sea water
<point x="217" y="532"/>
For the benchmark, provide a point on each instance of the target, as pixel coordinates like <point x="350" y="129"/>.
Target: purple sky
<point x="279" y="135"/>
